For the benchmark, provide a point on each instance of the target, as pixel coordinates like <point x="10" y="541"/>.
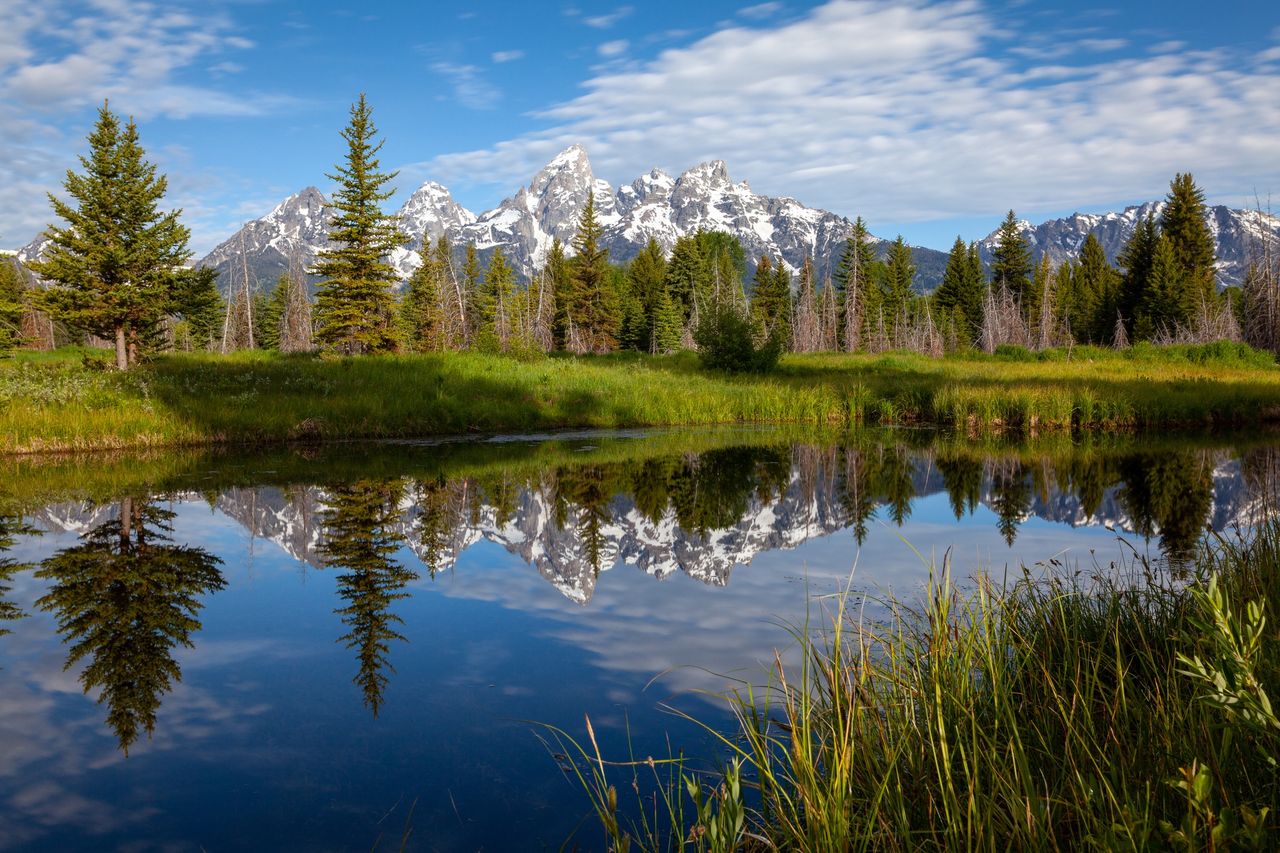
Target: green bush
<point x="726" y="342"/>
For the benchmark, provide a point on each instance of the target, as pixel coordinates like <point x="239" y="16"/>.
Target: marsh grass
<point x="66" y="403"/>
<point x="1116" y="711"/>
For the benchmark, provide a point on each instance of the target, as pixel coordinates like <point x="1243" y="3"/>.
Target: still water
<point x="350" y="647"/>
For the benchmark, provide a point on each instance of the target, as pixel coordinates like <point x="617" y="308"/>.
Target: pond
<point x="359" y="646"/>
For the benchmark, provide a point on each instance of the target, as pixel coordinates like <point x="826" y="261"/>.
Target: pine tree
<point x="354" y="306"/>
<point x="1183" y="223"/>
<point x="688" y="274"/>
<point x="1164" y="305"/>
<point x="901" y="271"/>
<point x="668" y="325"/>
<point x="421" y="320"/>
<point x="562" y="285"/>
<point x="199" y="305"/>
<point x="1011" y="260"/>
<point x="1135" y="259"/>
<point x="647" y="274"/>
<point x="12" y="307"/>
<point x="950" y="294"/>
<point x="595" y="309"/>
<point x="770" y="298"/>
<point x="1097" y="287"/>
<point x="472" y="278"/>
<point x="499" y="300"/>
<point x="855" y="276"/>
<point x="268" y="314"/>
<point x="113" y="264"/>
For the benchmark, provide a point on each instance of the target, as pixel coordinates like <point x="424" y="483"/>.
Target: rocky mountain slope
<point x="1236" y="232"/>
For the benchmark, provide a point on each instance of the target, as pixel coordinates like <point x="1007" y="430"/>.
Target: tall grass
<point x="48" y="403"/>
<point x="1120" y="711"/>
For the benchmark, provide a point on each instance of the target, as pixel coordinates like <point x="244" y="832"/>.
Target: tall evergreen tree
<point x="498" y="302"/>
<point x="561" y="279"/>
<point x="113" y="264"/>
<point x="901" y="271"/>
<point x="269" y="313"/>
<point x="668" y="325"/>
<point x="647" y="274"/>
<point x="1135" y="259"/>
<point x="688" y="274"/>
<point x="197" y="303"/>
<point x="1096" y="289"/>
<point x="472" y="279"/>
<point x="951" y="294"/>
<point x="1011" y="260"/>
<point x="595" y="308"/>
<point x="770" y="298"/>
<point x="1165" y="300"/>
<point x="421" y="318"/>
<point x="355" y="309"/>
<point x="856" y="280"/>
<point x="1183" y="222"/>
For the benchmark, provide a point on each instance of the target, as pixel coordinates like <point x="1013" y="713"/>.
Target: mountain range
<point x="657" y="205"/>
<point x="808" y="506"/>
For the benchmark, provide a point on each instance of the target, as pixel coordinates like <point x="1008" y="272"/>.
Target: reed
<point x="1123" y="710"/>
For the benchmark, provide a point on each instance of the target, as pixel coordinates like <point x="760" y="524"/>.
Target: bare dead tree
<point x="829" y="319"/>
<point x="1262" y="281"/>
<point x="1002" y="321"/>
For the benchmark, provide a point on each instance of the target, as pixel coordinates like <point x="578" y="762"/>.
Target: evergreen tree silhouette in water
<point x="124" y="598"/>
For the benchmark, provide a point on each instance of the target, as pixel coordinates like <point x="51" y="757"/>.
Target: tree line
<point x="115" y="271"/>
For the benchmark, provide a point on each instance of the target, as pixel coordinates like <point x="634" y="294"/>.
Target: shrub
<point x="726" y="342"/>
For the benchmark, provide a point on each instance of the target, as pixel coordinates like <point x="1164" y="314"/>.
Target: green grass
<point x="66" y="402"/>
<point x="1123" y="712"/>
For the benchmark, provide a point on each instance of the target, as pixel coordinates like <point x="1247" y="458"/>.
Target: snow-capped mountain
<point x="1235" y="233"/>
<point x="810" y="504"/>
<point x="287" y="238"/>
<point x="549" y="207"/>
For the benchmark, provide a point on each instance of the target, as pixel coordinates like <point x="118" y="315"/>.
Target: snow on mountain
<point x="526" y="224"/>
<point x="1235" y="233"/>
<point x="289" y="237"/>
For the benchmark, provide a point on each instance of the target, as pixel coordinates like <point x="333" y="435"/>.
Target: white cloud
<point x="912" y="112"/>
<point x="760" y="11"/>
<point x="604" y="22"/>
<point x="501" y="56"/>
<point x="616" y="47"/>
<point x="470" y="87"/>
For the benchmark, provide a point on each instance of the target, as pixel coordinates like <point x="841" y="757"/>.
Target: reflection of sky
<point x="266" y="742"/>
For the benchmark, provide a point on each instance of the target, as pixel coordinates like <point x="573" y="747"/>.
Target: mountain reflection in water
<point x="140" y="580"/>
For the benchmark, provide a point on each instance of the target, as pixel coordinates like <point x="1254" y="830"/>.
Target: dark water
<point x="311" y="650"/>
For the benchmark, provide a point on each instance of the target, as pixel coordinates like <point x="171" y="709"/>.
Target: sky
<point x="928" y="119"/>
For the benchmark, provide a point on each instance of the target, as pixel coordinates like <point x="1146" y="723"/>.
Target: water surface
<point x="321" y="649"/>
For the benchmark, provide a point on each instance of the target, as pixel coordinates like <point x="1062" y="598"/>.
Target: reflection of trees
<point x="962" y="478"/>
<point x="1011" y="496"/>
<point x="438" y="516"/>
<point x="589" y="488"/>
<point x="1170" y="493"/>
<point x="359" y="536"/>
<point x="124" y="598"/>
<point x="10" y="527"/>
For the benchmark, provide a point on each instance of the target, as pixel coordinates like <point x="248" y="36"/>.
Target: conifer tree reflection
<point x="123" y="599"/>
<point x="896" y="474"/>
<point x="962" y="479"/>
<point x="712" y="491"/>
<point x="10" y="528"/>
<point x="589" y="489"/>
<point x="1010" y="496"/>
<point x="856" y="494"/>
<point x="359" y="536"/>
<point x="1168" y="493"/>
<point x="437" y="516"/>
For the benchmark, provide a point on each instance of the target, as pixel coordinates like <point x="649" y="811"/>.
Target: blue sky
<point x="927" y="119"/>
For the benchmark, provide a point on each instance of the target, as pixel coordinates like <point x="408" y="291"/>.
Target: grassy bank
<point x="1119" y="713"/>
<point x="53" y="403"/>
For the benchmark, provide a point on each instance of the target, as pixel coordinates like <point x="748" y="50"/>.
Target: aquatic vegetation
<point x="1127" y="710"/>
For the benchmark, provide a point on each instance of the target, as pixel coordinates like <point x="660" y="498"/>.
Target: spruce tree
<point x="269" y="313"/>
<point x="856" y="280"/>
<point x="901" y="271"/>
<point x="1096" y="286"/>
<point x="595" y="311"/>
<point x="498" y="302"/>
<point x="688" y="274"/>
<point x="1135" y="259"/>
<point x="668" y="324"/>
<point x="770" y="299"/>
<point x="950" y="292"/>
<point x="562" y="285"/>
<point x="1164" y="305"/>
<point x="472" y="278"/>
<point x="646" y="276"/>
<point x="420" y="308"/>
<point x="355" y="308"/>
<point x="1011" y="260"/>
<point x="113" y="264"/>
<point x="1183" y="223"/>
<point x="197" y="302"/>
